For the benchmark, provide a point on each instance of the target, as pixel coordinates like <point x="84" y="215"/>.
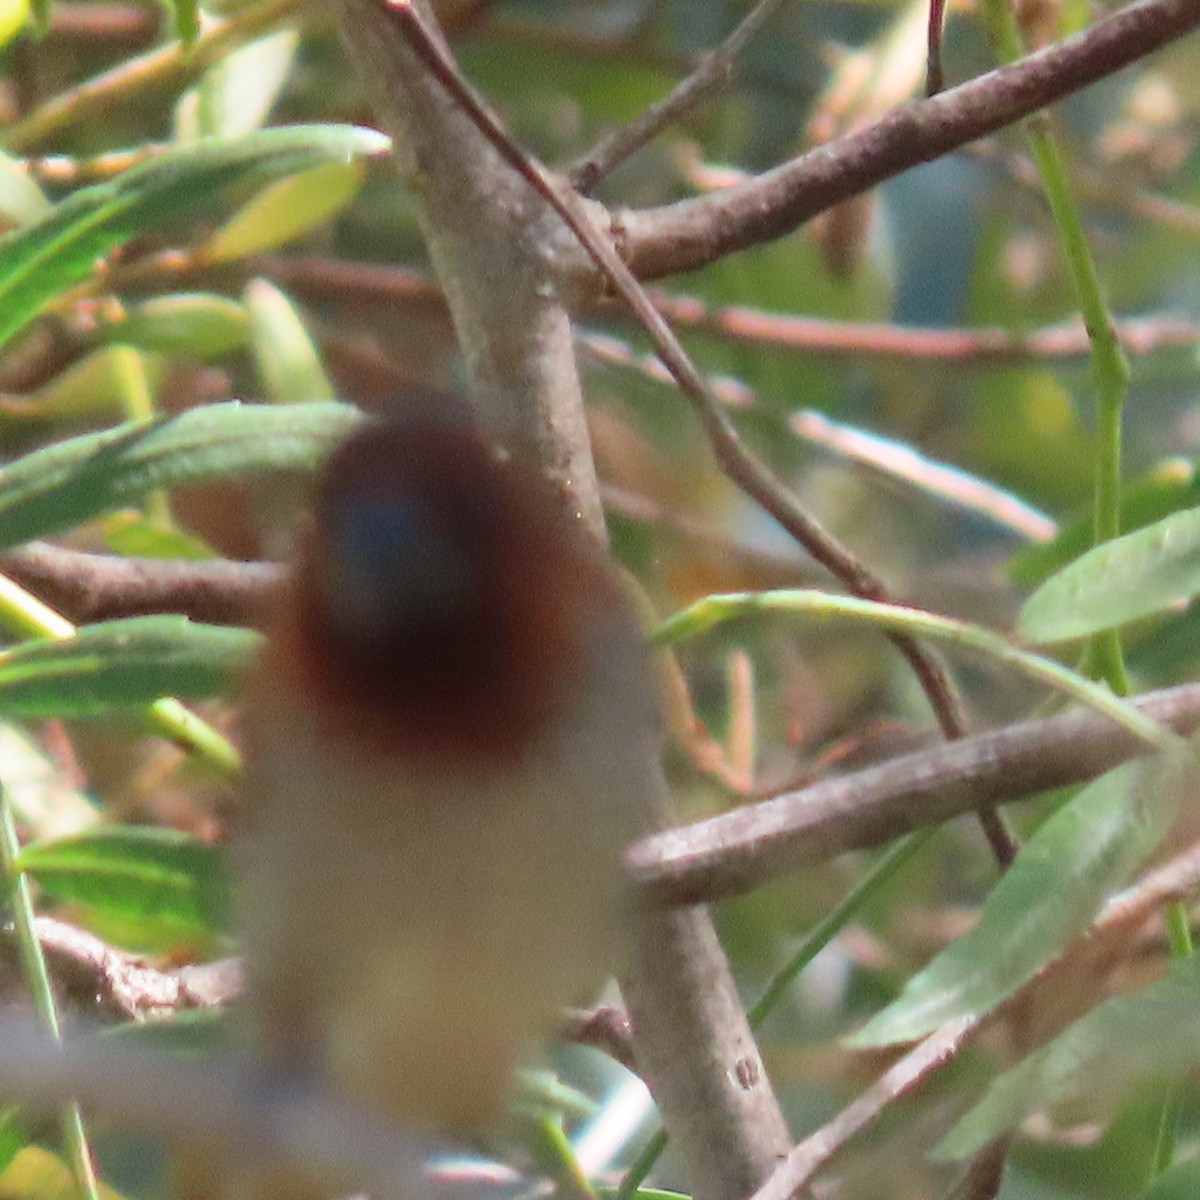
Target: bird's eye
<point x="387" y="566"/>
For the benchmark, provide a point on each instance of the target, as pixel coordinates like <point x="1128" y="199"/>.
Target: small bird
<point x="450" y="735"/>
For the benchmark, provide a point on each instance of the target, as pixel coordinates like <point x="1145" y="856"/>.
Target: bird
<point x="450" y="735"/>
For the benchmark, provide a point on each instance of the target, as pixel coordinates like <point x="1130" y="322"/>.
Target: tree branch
<point x="739" y="850"/>
<point x="690" y="233"/>
<point x="97" y="587"/>
<point x="493" y="240"/>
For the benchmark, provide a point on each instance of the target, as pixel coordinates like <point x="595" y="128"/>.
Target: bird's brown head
<point x="437" y="596"/>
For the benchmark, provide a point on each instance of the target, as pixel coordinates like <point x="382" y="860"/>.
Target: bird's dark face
<point x="436" y="603"/>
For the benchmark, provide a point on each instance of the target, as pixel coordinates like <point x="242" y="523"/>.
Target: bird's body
<point x="450" y="735"/>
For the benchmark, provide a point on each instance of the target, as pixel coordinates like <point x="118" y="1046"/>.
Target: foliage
<point x="908" y="363"/>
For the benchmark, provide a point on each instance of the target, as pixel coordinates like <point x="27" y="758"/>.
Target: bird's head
<point x="438" y="598"/>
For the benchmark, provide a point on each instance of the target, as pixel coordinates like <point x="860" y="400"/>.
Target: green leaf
<point x="235" y="96"/>
<point x="289" y="364"/>
<point x="194" y="1033"/>
<point x="41" y="260"/>
<point x="43" y="798"/>
<point x="113" y="664"/>
<point x="284" y="210"/>
<point x="21" y="200"/>
<point x="1153" y="1031"/>
<point x="61" y="485"/>
<point x="199" y="323"/>
<point x="159" y="878"/>
<point x="1170" y="486"/>
<point x="185" y="19"/>
<point x="96" y="383"/>
<point x="1144" y="572"/>
<point x="1179" y="1182"/>
<point x="1050" y="893"/>
<point x="13" y="15"/>
<point x="132" y="534"/>
<point x="15" y="1133"/>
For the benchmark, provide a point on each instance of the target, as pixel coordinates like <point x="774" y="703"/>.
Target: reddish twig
<point x="739" y="463"/>
<point x="688" y="234"/>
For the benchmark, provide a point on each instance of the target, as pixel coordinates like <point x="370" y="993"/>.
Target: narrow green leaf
<point x="61" y="485"/>
<point x="41" y="260"/>
<point x="21" y="200"/>
<point x="235" y="96"/>
<point x="134" y="535"/>
<point x="1153" y="1031"/>
<point x="711" y="611"/>
<point x="93" y="384"/>
<point x="156" y="877"/>
<point x="199" y="323"/>
<point x="185" y="19"/>
<point x="284" y="210"/>
<point x="1168" y="487"/>
<point x="114" y="664"/>
<point x="289" y="364"/>
<point x="1179" y="1182"/>
<point x="190" y="1033"/>
<point x="1144" y="572"/>
<point x="1051" y="892"/>
<point x="15" y="1133"/>
<point x="43" y="799"/>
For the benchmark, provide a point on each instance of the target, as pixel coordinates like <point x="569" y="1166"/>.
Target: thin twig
<point x="128" y="79"/>
<point x="1105" y="942"/>
<point x="739" y="463"/>
<point x="984" y="1173"/>
<point x="712" y="73"/>
<point x="76" y="1145"/>
<point x="129" y="986"/>
<point x="604" y="1028"/>
<point x="902" y="1078"/>
<point x="92" y="22"/>
<point x="349" y="282"/>
<point x="688" y="234"/>
<point x="897" y="460"/>
<point x="934" y="75"/>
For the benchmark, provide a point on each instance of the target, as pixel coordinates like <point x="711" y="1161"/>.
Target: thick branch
<point x="690" y="233"/>
<point x="97" y="587"/>
<point x="491" y="237"/>
<point x="741" y="849"/>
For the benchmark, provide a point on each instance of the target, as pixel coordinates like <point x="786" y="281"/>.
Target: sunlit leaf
<point x="1171" y="486"/>
<point x="159" y="878"/>
<point x="132" y="533"/>
<point x="35" y="1173"/>
<point x="1155" y="1030"/>
<point x="114" y="664"/>
<point x="1051" y="892"/>
<point x="13" y="15"/>
<point x="235" y="96"/>
<point x="21" y="200"/>
<point x="284" y="210"/>
<point x="198" y="323"/>
<point x="1144" y="572"/>
<point x="41" y="260"/>
<point x="57" y="487"/>
<point x="95" y="383"/>
<point x="44" y="799"/>
<point x="289" y="365"/>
